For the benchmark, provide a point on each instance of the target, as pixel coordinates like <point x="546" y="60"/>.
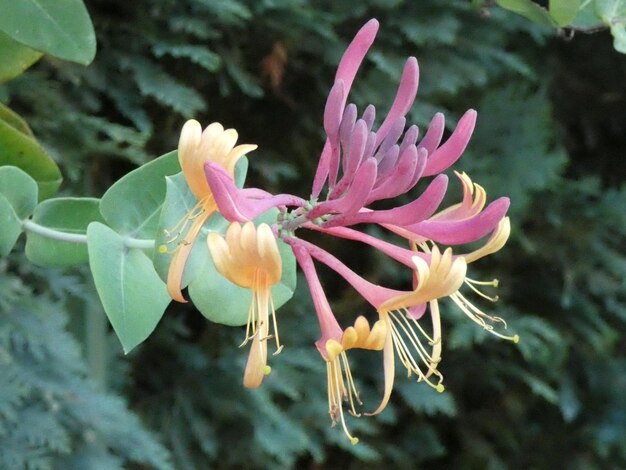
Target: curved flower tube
<point x="242" y="205"/>
<point x="335" y="342"/>
<point x="196" y="147"/>
<point x="441" y="277"/>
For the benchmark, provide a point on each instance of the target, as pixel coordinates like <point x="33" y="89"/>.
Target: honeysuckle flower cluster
<point x="359" y="165"/>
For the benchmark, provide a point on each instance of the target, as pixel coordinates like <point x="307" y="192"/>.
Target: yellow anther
<point x="162" y="249"/>
<point x="516" y="339"/>
<point x="354" y="441"/>
<point x="267" y="370"/>
<point x="440" y="388"/>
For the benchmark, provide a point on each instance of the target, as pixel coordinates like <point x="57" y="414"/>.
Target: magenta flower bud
<point x="450" y="152"/>
<point x="369" y="115"/>
<point x="410" y="137"/>
<point x="388" y="162"/>
<point x="395" y="131"/>
<point x="408" y="214"/>
<point x="333" y="112"/>
<point x="354" y="156"/>
<point x="433" y="135"/>
<point x="407" y="91"/>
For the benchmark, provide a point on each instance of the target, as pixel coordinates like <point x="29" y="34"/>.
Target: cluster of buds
<point x="359" y="165"/>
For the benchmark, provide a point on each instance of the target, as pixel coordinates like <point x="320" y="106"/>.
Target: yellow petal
<point x="256" y="367"/>
<point x="496" y="241"/>
<point x="389" y="371"/>
<point x="179" y="259"/>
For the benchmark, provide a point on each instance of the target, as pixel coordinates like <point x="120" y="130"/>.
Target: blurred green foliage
<point x="550" y="134"/>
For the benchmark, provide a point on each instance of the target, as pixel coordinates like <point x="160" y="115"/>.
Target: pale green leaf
<point x="132" y="294"/>
<point x="563" y="12"/>
<point x="133" y="204"/>
<point x="11" y="226"/>
<point x="528" y="9"/>
<point x="61" y="28"/>
<point x="19" y="189"/>
<point x="15" y="58"/>
<point x="69" y="215"/>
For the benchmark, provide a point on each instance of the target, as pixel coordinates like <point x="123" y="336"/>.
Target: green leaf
<point x="563" y="12"/>
<point x="528" y="9"/>
<point x="70" y="215"/>
<point x="221" y="301"/>
<point x="19" y="148"/>
<point x="133" y="204"/>
<point x="133" y="295"/>
<point x="587" y="17"/>
<point x="61" y="28"/>
<point x="19" y="189"/>
<point x="613" y="14"/>
<point x="14" y="120"/>
<point x="15" y="58"/>
<point x="11" y="226"/>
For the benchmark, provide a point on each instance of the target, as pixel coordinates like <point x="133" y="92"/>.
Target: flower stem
<point x="34" y="227"/>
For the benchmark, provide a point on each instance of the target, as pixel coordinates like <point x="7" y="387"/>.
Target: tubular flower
<point x="248" y="256"/>
<point x="360" y="163"/>
<point x="440" y="278"/>
<point x="495" y="242"/>
<point x="195" y="148"/>
<point x="438" y="275"/>
<point x="334" y="343"/>
<point x="340" y="382"/>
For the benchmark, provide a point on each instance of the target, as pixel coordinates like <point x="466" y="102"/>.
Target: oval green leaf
<point x="563" y="12"/>
<point x="61" y="28"/>
<point x="528" y="9"/>
<point x="14" y="120"/>
<point x="70" y="215"/>
<point x="11" y="226"/>
<point x="132" y="294"/>
<point x="19" y="189"/>
<point x="15" y="58"/>
<point x="19" y="148"/>
<point x="132" y="206"/>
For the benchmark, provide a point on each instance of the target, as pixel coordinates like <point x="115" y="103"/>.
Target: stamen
<point x="478" y="317"/>
<point x="336" y="389"/>
<point x="279" y="347"/>
<point x="472" y="285"/>
<point x="404" y="353"/>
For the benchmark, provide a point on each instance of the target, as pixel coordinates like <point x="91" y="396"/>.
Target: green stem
<point x="47" y="232"/>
